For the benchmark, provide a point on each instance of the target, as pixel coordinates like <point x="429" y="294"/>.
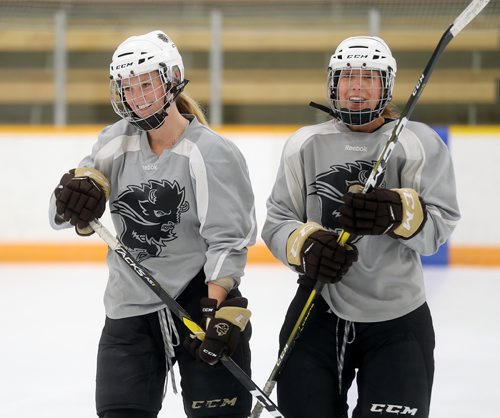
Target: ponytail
<point x="186" y="104"/>
<point x="391" y="111"/>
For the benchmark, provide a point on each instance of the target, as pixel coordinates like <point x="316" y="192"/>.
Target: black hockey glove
<point x="208" y="308"/>
<point x="81" y="197"/>
<point x="223" y="328"/>
<point x="400" y="213"/>
<point x="316" y="253"/>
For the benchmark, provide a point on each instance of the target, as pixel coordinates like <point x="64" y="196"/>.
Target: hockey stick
<point x="467" y="15"/>
<point x="179" y="311"/>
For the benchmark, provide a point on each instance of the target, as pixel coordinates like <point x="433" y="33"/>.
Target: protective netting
<point x="397" y="13"/>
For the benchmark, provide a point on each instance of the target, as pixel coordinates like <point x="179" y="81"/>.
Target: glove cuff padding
<point x="96" y="177"/>
<point x="297" y="239"/>
<point x="414" y="214"/>
<point x="234" y="311"/>
<point x="100" y="181"/>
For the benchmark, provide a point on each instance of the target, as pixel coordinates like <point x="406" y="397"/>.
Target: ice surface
<point x="51" y="317"/>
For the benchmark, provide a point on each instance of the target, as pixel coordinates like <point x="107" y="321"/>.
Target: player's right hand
<point x="315" y="252"/>
<point x="223" y="326"/>
<point x="81" y="197"/>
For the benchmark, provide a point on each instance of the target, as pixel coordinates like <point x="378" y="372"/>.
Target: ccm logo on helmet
<point x="357" y="56"/>
<point x="128" y="64"/>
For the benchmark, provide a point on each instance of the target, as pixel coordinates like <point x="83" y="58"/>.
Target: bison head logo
<point x="149" y="213"/>
<point x="331" y="185"/>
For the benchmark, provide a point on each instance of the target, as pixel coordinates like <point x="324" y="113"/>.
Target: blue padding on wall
<point x="442" y="256"/>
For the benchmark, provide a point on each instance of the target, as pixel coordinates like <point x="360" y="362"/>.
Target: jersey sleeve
<point x="286" y="206"/>
<point x="100" y="158"/>
<point x="225" y="207"/>
<point x="428" y="169"/>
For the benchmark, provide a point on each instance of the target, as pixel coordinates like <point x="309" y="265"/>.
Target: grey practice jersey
<point x="190" y="208"/>
<point x="318" y="165"/>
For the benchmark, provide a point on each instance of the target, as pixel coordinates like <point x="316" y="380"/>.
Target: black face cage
<point x="363" y="116"/>
<point x="157" y="119"/>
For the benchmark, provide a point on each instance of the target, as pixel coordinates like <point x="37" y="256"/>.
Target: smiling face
<point x="360" y="81"/>
<point x="359" y="89"/>
<point x="144" y="94"/>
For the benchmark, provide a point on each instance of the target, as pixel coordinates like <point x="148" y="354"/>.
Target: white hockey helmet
<point x="153" y="52"/>
<point x="363" y="53"/>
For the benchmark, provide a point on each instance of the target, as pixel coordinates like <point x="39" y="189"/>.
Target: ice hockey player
<point x="372" y="317"/>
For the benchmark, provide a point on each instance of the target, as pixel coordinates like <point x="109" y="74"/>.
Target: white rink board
<point x="32" y="164"/>
<point x="476" y="169"/>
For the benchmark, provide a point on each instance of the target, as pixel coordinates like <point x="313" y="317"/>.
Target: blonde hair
<point x="186" y="104"/>
<point x="391" y="111"/>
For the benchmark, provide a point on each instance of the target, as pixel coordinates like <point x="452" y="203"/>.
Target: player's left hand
<point x="223" y="327"/>
<point x="400" y="213"/>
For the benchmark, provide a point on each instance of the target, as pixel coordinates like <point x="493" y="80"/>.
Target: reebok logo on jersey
<point x="356" y="148"/>
<point x="393" y="409"/>
<point x="149" y="167"/>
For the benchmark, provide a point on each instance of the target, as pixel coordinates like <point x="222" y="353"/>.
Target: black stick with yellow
<point x="179" y="311"/>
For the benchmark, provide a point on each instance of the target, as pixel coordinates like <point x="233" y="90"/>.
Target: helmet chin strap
<point x="349" y="117"/>
<point x="151" y="122"/>
<point x="358" y="117"/>
<point x="321" y="107"/>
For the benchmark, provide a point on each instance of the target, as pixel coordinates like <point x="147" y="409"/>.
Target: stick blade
<point x="470" y="12"/>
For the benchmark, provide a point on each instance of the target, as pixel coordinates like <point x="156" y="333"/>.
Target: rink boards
<point x="37" y="156"/>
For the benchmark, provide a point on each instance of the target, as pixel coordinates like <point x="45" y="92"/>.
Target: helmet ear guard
<point x="361" y="53"/>
<point x="153" y="52"/>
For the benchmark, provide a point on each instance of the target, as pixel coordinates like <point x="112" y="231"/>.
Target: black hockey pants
<point x="131" y="368"/>
<point x="393" y="360"/>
